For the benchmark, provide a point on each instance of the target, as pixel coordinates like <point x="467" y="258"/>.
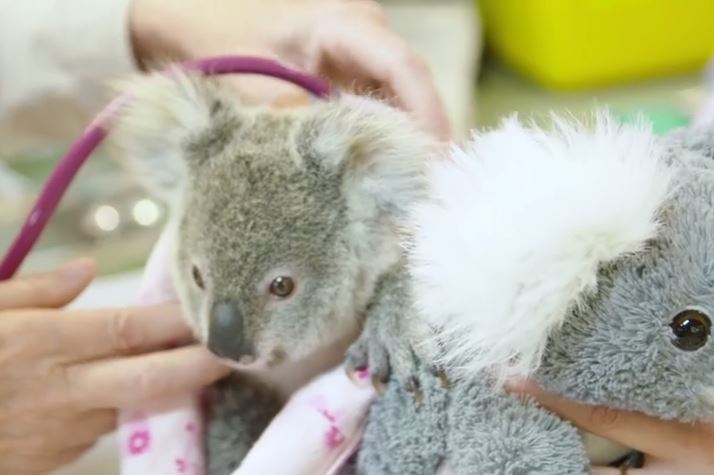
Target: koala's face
<point x="281" y="218"/>
<point x="644" y="341"/>
<point x="263" y="256"/>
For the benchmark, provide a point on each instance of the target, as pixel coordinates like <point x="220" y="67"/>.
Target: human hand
<point x="349" y="42"/>
<point x="63" y="373"/>
<point x="670" y="448"/>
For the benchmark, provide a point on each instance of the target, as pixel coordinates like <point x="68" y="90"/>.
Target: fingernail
<point x="78" y="270"/>
<point x="443" y="378"/>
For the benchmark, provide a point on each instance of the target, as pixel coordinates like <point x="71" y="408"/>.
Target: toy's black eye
<point x="197" y="277"/>
<point x="691" y="330"/>
<point x="282" y="286"/>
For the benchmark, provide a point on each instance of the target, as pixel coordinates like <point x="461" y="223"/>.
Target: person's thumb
<point x="48" y="289"/>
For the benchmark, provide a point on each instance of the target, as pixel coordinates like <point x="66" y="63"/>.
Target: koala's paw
<point x="386" y="352"/>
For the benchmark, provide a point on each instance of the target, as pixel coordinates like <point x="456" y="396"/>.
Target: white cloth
<point x="61" y="48"/>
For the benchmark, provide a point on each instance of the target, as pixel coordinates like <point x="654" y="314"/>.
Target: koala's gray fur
<point x="314" y="193"/>
<point x="616" y="350"/>
<point x="239" y="410"/>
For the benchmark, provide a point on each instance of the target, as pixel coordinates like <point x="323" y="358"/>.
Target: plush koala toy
<point x="580" y="256"/>
<point x="286" y="235"/>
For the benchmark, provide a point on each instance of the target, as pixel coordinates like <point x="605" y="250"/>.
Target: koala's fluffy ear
<point x="152" y="127"/>
<point x="380" y="152"/>
<point x="520" y="223"/>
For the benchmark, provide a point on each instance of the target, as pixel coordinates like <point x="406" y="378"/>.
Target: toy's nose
<point x="226" y="332"/>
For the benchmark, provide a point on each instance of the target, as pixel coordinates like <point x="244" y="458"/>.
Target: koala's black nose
<point x="226" y="332"/>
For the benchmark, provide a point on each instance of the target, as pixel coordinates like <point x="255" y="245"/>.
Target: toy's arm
<point x="405" y="436"/>
<point x="471" y="428"/>
<point x="494" y="432"/>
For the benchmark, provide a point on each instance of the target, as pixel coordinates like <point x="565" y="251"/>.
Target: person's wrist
<point x="151" y="27"/>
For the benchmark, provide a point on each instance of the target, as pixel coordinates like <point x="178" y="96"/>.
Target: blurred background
<point x="490" y="59"/>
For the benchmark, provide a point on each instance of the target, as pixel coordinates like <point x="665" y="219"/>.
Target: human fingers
<point x="654" y="466"/>
<point x="666" y="440"/>
<point x="93" y="334"/>
<point x="647" y="470"/>
<point x="80" y="431"/>
<point x="90" y="426"/>
<point x="618" y="471"/>
<point x="38" y="443"/>
<point x="374" y="55"/>
<point x="39" y="431"/>
<point x="44" y="462"/>
<point x="80" y="335"/>
<point x="134" y="380"/>
<point x="48" y="289"/>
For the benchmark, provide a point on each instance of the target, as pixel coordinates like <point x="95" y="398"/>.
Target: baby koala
<point x="285" y="228"/>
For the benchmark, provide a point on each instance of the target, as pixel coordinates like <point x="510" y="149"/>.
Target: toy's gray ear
<point x="698" y="138"/>
<point x="701" y="139"/>
<point x="153" y="130"/>
<point x="378" y="150"/>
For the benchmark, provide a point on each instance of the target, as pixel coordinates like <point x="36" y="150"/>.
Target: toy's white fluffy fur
<point x="518" y="224"/>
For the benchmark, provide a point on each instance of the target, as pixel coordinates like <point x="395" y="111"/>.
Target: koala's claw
<point x="414" y="387"/>
<point x="383" y="362"/>
<point x="378" y="385"/>
<point x="395" y="344"/>
<point x="398" y="361"/>
<point x="367" y="353"/>
<point x="356" y="361"/>
<point x="355" y="374"/>
<point x="441" y="374"/>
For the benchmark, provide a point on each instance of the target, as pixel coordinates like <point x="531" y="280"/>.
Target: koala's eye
<point x="197" y="277"/>
<point x="691" y="330"/>
<point x="282" y="286"/>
